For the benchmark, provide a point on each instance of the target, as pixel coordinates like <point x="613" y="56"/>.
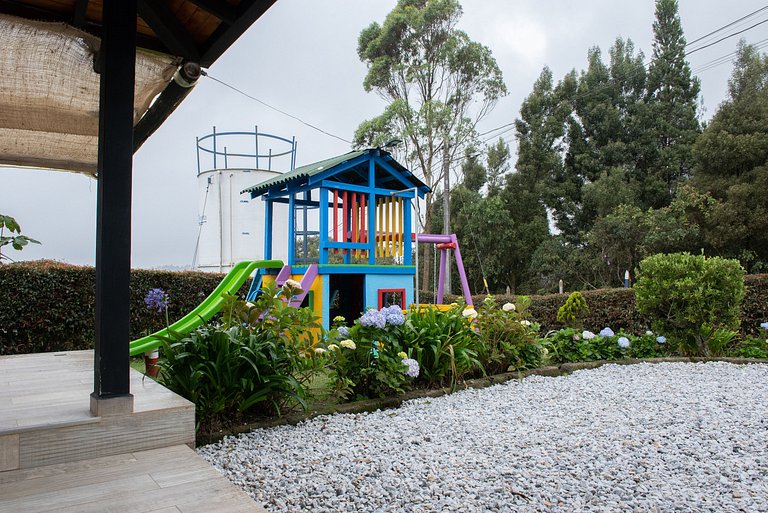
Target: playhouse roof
<point x="352" y="166"/>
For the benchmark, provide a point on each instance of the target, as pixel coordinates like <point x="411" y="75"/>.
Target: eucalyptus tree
<point x="438" y="85"/>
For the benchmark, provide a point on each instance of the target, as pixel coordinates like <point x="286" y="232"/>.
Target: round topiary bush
<point x="690" y="297"/>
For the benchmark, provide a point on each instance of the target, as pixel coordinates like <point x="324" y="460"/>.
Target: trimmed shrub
<point x="691" y="297"/>
<point x="574" y="311"/>
<point x="49" y="306"/>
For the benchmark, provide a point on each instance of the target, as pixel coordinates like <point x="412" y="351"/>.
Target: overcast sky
<point x="301" y="57"/>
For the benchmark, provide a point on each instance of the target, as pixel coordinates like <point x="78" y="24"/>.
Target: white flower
<point x="319" y="350"/>
<point x="525" y="322"/>
<point x="587" y="335"/>
<point x="293" y="284"/>
<point x="623" y="342"/>
<point x="348" y="344"/>
<point x="333" y="347"/>
<point x="649" y="333"/>
<point x="469" y="313"/>
<point x="508" y="307"/>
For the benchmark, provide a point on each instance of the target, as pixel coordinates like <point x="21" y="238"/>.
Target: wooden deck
<point x="56" y="457"/>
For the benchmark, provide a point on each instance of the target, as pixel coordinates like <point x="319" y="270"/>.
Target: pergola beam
<point x="225" y="12"/>
<point x="224" y="36"/>
<point x="168" y="29"/>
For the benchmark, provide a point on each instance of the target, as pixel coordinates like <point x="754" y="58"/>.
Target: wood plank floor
<point x="38" y="390"/>
<point x="171" y="479"/>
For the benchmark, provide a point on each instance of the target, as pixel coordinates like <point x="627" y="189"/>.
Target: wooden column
<point x="117" y="62"/>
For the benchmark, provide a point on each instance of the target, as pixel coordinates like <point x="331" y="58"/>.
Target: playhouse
<point x="350" y="233"/>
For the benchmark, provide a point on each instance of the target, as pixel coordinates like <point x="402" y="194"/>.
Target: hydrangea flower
<point x="333" y="347"/>
<point x="525" y="322"/>
<point x="508" y="307"/>
<point x="339" y="319"/>
<point x="292" y="288"/>
<point x="319" y="350"/>
<point x="343" y="332"/>
<point x="469" y="313"/>
<point x="764" y="325"/>
<point x="661" y="339"/>
<point x="587" y="335"/>
<point x="606" y="332"/>
<point x="623" y="342"/>
<point x="373" y="318"/>
<point x="402" y="355"/>
<point x="156" y="299"/>
<point x="576" y="337"/>
<point x="649" y="332"/>
<point x="348" y="343"/>
<point x="413" y="367"/>
<point x="393" y="315"/>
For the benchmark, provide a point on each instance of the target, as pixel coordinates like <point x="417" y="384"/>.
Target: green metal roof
<point x="303" y="173"/>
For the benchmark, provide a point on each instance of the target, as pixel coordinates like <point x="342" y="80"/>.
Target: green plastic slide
<point x="209" y="307"/>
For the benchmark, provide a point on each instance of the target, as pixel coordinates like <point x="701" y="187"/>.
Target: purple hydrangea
<point x="606" y="332"/>
<point x="373" y="318"/>
<point x="393" y="315"/>
<point x="156" y="299"/>
<point x="623" y="342"/>
<point x="343" y="332"/>
<point x="413" y="367"/>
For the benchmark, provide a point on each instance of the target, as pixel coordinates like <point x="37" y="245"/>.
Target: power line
<point x="310" y="125"/>
<point x="726" y="37"/>
<point x="705" y="36"/>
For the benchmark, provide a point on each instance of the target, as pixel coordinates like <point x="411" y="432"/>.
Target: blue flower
<point x="623" y="342"/>
<point x="606" y="332"/>
<point x="661" y="339"/>
<point x="764" y="325"/>
<point x="343" y="332"/>
<point x="393" y="315"/>
<point x="156" y="299"/>
<point x="413" y="367"/>
<point x="373" y="318"/>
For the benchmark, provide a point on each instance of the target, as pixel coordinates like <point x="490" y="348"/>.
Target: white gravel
<point x="669" y="437"/>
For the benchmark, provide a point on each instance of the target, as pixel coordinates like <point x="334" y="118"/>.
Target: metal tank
<point x="231" y="225"/>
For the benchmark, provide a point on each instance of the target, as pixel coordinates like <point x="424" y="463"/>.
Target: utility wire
<point x="726" y="37"/>
<point x="726" y="26"/>
<point x="310" y="125"/>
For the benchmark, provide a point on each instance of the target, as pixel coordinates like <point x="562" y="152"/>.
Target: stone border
<point x="369" y="405"/>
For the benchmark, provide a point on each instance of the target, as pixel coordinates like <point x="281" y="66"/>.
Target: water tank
<point x="231" y="224"/>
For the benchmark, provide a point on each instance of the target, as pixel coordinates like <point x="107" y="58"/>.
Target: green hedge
<point x="616" y="308"/>
<point x="49" y="306"/>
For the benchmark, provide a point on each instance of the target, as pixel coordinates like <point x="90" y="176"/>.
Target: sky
<point x="301" y="58"/>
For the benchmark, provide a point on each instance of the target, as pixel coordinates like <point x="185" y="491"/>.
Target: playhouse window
<point x="389" y="297"/>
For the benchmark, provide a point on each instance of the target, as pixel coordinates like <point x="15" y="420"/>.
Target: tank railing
<point x="256" y="155"/>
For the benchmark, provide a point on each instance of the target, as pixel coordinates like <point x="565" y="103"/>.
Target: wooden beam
<point x="81" y="8"/>
<point x="223" y="37"/>
<point x="169" y="30"/>
<point x="223" y="11"/>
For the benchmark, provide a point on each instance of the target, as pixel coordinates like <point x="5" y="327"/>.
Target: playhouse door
<point x="347" y="293"/>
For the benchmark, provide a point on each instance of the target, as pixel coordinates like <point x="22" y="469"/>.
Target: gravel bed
<point x="667" y="437"/>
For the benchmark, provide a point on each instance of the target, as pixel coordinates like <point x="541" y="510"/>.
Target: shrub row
<point x="49" y="306"/>
<point x="616" y="307"/>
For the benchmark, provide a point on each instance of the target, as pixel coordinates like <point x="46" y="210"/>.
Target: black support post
<point x="111" y="383"/>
